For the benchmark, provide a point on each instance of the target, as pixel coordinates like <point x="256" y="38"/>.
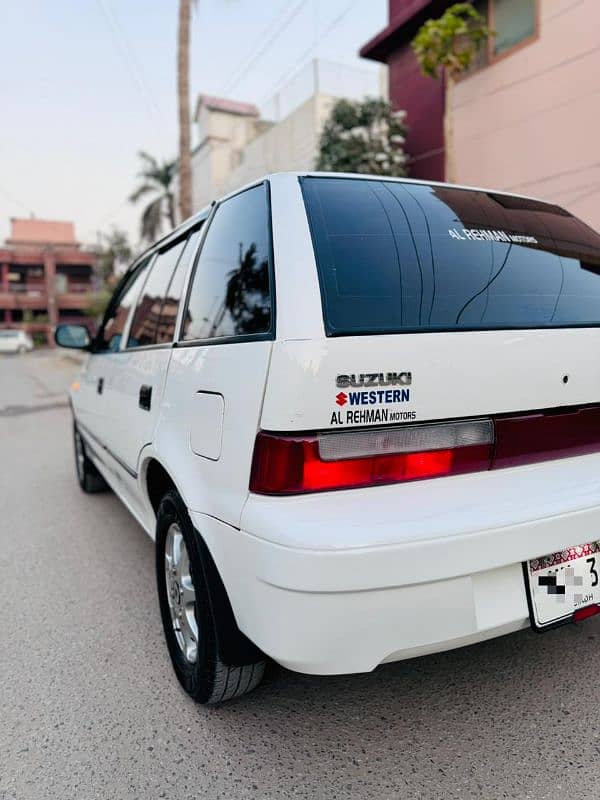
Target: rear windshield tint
<point x="398" y="257"/>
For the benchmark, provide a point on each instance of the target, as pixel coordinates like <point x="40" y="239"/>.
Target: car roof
<point x="204" y="213"/>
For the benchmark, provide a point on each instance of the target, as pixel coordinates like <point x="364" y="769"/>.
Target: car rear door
<point x="140" y="367"/>
<point x="218" y="369"/>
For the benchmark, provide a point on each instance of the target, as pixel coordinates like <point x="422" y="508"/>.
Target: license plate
<point x="560" y="584"/>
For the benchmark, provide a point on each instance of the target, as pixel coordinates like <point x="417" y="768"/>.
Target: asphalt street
<point x="90" y="709"/>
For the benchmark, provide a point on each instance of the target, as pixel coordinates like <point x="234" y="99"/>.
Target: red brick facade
<point x="42" y="282"/>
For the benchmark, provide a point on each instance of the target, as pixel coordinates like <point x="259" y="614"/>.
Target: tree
<point x="157" y="179"/>
<point x="446" y="47"/>
<point x="183" y="101"/>
<point x="363" y="136"/>
<point x="113" y="253"/>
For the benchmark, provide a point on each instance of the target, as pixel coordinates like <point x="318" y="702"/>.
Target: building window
<point x="514" y="21"/>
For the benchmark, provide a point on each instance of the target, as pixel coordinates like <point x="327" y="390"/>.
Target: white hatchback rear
<point x="360" y="416"/>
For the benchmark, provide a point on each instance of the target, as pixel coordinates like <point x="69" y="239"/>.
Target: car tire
<point x="88" y="476"/>
<point x="212" y="659"/>
<point x="22" y="350"/>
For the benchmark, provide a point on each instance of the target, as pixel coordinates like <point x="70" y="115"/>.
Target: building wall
<point x="239" y="147"/>
<point x="291" y="144"/>
<point x="222" y="165"/>
<point x="423" y="100"/>
<point x="224" y="137"/>
<point x="529" y="123"/>
<point x="54" y="284"/>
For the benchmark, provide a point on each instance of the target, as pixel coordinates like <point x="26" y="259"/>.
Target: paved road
<point x="89" y="708"/>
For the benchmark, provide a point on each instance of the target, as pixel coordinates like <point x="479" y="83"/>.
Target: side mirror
<point x="77" y="337"/>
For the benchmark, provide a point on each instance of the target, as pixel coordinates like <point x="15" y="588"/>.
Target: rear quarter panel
<point x="215" y="483"/>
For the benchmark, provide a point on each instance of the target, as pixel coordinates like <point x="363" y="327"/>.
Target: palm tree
<point x="157" y="179"/>
<point x="183" y="98"/>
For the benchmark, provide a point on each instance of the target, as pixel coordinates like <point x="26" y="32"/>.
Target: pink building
<point x="527" y="118"/>
<point x="45" y="277"/>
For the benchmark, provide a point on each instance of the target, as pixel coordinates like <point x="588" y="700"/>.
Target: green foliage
<point x="451" y="42"/>
<point x="365" y="137"/>
<point x="157" y="180"/>
<point x="97" y="302"/>
<point x="113" y="253"/>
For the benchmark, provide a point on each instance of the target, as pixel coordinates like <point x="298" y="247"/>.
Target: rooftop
<point x="225" y="104"/>
<point x="41" y="231"/>
<point x="406" y="19"/>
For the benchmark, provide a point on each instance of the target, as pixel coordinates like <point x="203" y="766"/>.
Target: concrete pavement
<point x="90" y="709"/>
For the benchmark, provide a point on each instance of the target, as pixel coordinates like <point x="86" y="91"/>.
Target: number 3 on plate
<point x="593" y="573"/>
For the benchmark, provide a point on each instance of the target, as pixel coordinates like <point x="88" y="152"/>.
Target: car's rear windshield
<point x="395" y="256"/>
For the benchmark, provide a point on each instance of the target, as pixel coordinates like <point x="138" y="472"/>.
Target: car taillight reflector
<point x="412" y="439"/>
<point x="584" y="613"/>
<point x="543" y="436"/>
<point x="285" y="464"/>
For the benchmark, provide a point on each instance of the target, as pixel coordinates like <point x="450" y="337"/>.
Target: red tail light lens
<point x="285" y="464"/>
<point x="584" y="613"/>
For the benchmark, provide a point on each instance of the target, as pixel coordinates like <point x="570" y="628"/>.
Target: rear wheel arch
<point x="157" y="482"/>
<point x="235" y="648"/>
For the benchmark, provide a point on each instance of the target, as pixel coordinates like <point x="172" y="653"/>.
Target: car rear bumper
<point x="344" y="609"/>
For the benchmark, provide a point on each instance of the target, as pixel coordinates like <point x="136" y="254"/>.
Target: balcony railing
<point x="77" y="288"/>
<point x="38" y="291"/>
<point x="23" y="288"/>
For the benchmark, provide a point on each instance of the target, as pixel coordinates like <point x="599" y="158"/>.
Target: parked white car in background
<point x="15" y="341"/>
<point x="361" y="418"/>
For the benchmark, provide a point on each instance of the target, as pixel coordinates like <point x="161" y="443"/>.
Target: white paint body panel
<point x="453" y="374"/>
<point x="237" y="372"/>
<point x="130" y="427"/>
<point x="342" y="581"/>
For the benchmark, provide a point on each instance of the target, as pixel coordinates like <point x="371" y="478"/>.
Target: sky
<point x="86" y="84"/>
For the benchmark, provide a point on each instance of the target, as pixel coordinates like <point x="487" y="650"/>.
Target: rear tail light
<point x="285" y="464"/>
<point x="584" y="613"/>
<point x="288" y="464"/>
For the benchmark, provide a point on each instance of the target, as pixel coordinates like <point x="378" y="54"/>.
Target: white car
<point x="361" y="419"/>
<point x="15" y="341"/>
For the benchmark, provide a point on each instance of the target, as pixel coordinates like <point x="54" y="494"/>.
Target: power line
<point x="532" y="115"/>
<point x="333" y="24"/>
<point x="525" y="78"/>
<point x="547" y="178"/>
<point x="252" y="57"/>
<point x="562" y="193"/>
<point x="135" y="71"/>
<point x="14" y="200"/>
<point x="585" y="194"/>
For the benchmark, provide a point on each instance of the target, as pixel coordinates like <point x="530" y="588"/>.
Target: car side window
<point x="165" y="329"/>
<point x="143" y="329"/>
<point x="109" y="337"/>
<point x="230" y="294"/>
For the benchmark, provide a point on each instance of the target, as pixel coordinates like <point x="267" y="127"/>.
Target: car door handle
<point x="145" y="397"/>
<point x="100" y="386"/>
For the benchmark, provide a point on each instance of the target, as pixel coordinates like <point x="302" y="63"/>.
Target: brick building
<point x="45" y="277"/>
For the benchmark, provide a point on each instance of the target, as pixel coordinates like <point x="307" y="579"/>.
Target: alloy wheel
<point x="181" y="594"/>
